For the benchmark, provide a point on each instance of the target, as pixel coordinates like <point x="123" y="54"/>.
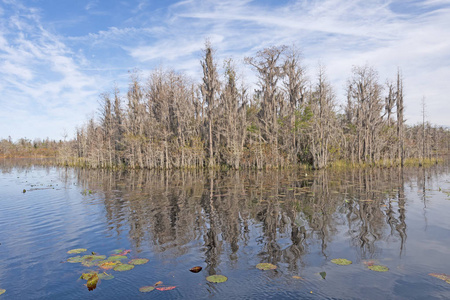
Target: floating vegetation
<point x="92" y="282"/>
<point x="196" y="269"/>
<point x="77" y="251"/>
<point x="75" y="259"/>
<point x="86" y="276"/>
<point x="216" y="278"/>
<point x="107" y="265"/>
<point x="124" y="267"/>
<point x="88" y="263"/>
<point x="369" y="262"/>
<point x="105" y="276"/>
<point x="94" y="257"/>
<point x="378" y="268"/>
<point x="341" y="261"/>
<point x="2" y="291"/>
<point x="444" y="277"/>
<point x="138" y="261"/>
<point x="266" y="266"/>
<point x="323" y="274"/>
<point x="116" y="258"/>
<point x="166" y="288"/>
<point x="297" y="277"/>
<point x="146" y="289"/>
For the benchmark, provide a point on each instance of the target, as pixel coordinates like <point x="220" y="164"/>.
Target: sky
<point x="58" y="56"/>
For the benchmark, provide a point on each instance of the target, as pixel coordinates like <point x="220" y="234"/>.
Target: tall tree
<point x="210" y="88"/>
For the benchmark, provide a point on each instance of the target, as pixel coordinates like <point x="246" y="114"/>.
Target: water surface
<point x="227" y="223"/>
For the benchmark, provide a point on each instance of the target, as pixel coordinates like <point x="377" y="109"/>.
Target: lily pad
<point x="88" y="263"/>
<point x="75" y="259"/>
<point x="195" y="269"/>
<point x="444" y="277"/>
<point x="117" y="251"/>
<point x="266" y="266"/>
<point x="2" y="291"/>
<point x="124" y="252"/>
<point x="138" y="261"/>
<point x="341" y="261"/>
<point x="77" y="251"/>
<point x="146" y="289"/>
<point x="107" y="265"/>
<point x="165" y="288"/>
<point x="93" y="257"/>
<point x="124" y="267"/>
<point x="216" y="278"/>
<point x="378" y="268"/>
<point x="297" y="277"/>
<point x="323" y="274"/>
<point x="117" y="257"/>
<point x="88" y="275"/>
<point x="105" y="276"/>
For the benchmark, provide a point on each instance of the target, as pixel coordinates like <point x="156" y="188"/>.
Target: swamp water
<point x="226" y="223"/>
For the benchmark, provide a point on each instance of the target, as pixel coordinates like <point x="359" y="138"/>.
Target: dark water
<point x="227" y="223"/>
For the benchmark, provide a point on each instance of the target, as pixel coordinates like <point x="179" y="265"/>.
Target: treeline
<point x="27" y="148"/>
<point x="168" y="121"/>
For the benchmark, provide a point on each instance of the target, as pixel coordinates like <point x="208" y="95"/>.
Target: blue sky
<point x="58" y="56"/>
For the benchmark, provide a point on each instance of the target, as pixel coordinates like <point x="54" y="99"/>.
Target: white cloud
<point x="45" y="70"/>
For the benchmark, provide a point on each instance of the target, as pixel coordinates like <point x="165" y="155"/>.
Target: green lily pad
<point x="88" y="263"/>
<point x="105" y="276"/>
<point x="117" y="251"/>
<point x="123" y="267"/>
<point x="77" y="251"/>
<point x="75" y="259"/>
<point x="378" y="268"/>
<point x="88" y="275"/>
<point x="266" y="266"/>
<point x="116" y="258"/>
<point x="323" y="274"/>
<point x="2" y="291"/>
<point x="341" y="261"/>
<point x="146" y="289"/>
<point x="444" y="277"/>
<point x="216" y="278"/>
<point x="138" y="261"/>
<point x="93" y="257"/>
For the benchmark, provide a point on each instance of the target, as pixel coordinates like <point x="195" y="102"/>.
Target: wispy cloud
<point x="50" y="73"/>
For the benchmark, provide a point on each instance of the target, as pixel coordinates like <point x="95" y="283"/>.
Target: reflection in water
<point x="284" y="215"/>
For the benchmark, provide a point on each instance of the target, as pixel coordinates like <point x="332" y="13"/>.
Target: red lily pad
<point x="108" y="265"/>
<point x="195" y="269"/>
<point x="165" y="288"/>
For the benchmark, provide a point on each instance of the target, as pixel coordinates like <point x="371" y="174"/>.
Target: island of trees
<point x="168" y="121"/>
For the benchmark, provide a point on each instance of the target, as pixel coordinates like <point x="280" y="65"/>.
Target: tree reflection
<point x="276" y="216"/>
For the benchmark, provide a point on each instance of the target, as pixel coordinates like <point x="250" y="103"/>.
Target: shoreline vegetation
<point x="168" y="121"/>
